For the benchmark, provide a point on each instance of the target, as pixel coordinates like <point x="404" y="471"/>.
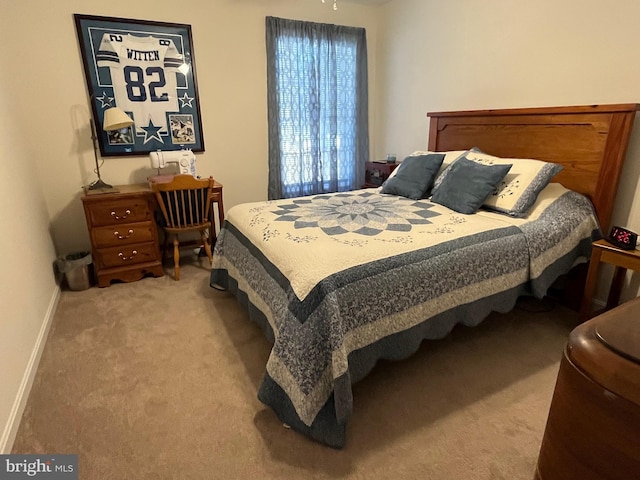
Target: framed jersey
<point x="148" y="70"/>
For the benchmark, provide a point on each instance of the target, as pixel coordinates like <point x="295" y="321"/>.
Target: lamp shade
<point x="115" y="118"/>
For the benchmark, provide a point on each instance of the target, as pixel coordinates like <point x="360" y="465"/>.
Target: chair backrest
<point x="184" y="201"/>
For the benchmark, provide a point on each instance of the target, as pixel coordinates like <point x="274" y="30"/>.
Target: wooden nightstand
<point x="123" y="233"/>
<point x="603" y="251"/>
<point x="376" y="173"/>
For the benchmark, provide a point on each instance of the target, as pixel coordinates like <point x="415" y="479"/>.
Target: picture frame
<point x="148" y="70"/>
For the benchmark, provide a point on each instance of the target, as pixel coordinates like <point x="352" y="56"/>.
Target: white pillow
<point x="520" y="188"/>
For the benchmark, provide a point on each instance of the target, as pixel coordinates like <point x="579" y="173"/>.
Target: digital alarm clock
<point x="623" y="238"/>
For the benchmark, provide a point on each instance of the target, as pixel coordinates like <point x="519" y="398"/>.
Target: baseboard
<point x="11" y="428"/>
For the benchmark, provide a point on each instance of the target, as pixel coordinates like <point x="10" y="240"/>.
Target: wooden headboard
<point x="589" y="141"/>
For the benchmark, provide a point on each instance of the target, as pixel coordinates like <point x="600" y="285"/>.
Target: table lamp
<point x="114" y="119"/>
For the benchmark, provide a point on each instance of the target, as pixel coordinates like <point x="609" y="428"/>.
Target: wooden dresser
<point x="123" y="233"/>
<point x="593" y="428"/>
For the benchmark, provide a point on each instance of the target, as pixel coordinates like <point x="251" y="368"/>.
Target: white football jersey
<point x="143" y="72"/>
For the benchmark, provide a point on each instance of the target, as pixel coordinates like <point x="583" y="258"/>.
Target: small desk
<point x="124" y="235"/>
<point x="603" y="251"/>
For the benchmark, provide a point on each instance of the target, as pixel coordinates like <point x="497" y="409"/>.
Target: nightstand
<point x="376" y="173"/>
<point x="123" y="233"/>
<point x="604" y="252"/>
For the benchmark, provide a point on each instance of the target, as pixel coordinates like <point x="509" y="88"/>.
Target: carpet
<point x="157" y="379"/>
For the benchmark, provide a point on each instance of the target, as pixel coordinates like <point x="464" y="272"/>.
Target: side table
<point x="604" y="252"/>
<point x="123" y="234"/>
<point x="375" y="173"/>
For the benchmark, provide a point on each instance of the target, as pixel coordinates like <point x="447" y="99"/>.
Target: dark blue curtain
<point x="317" y="107"/>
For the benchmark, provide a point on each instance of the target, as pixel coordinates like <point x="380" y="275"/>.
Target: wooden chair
<point x="185" y="202"/>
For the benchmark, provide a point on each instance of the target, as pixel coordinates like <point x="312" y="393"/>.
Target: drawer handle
<point x="127" y="212"/>
<point x="123" y="237"/>
<point x="124" y="259"/>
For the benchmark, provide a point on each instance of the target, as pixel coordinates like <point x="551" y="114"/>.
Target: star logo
<point x="186" y="100"/>
<point x="105" y="100"/>
<point x="151" y="132"/>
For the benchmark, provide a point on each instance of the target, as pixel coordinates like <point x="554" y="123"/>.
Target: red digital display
<point x="623" y="238"/>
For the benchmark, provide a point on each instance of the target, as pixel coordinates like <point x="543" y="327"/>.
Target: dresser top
<point x="607" y="350"/>
<point x="119" y="190"/>
<point x="619" y="330"/>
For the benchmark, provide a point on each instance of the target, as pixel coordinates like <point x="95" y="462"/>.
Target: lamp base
<point x="100" y="187"/>
<point x="99" y="184"/>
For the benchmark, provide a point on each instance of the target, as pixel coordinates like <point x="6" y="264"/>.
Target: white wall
<point x="476" y="54"/>
<point x="28" y="292"/>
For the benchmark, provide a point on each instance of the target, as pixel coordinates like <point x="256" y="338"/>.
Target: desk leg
<point x="220" y="211"/>
<point x="212" y="233"/>
<point x="590" y="285"/>
<point x="616" y="287"/>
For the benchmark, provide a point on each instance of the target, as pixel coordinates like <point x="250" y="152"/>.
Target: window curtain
<point x="317" y="107"/>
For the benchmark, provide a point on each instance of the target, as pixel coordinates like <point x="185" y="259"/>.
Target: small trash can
<point x="75" y="267"/>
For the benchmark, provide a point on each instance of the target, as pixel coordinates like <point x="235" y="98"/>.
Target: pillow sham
<point x="467" y="184"/>
<point x="518" y="191"/>
<point x="414" y="177"/>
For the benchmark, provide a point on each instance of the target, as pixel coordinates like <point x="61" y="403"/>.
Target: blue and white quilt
<point x="340" y="281"/>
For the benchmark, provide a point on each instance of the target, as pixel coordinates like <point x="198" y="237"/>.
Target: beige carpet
<point x="157" y="379"/>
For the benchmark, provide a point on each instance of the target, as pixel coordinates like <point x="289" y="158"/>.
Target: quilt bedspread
<point x="340" y="281"/>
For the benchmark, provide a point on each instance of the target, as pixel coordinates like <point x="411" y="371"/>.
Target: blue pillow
<point x="468" y="184"/>
<point x="415" y="176"/>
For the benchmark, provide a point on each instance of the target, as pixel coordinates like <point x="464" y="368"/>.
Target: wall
<point x="28" y="292"/>
<point x="477" y="54"/>
<point x="230" y="55"/>
<point x="46" y="153"/>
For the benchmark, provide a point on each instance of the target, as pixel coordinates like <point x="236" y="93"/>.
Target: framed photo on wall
<point x="148" y="70"/>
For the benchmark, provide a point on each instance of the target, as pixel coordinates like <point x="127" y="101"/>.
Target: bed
<point x="310" y="271"/>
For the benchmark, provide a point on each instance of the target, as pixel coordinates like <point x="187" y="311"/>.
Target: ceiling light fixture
<point x="335" y="4"/>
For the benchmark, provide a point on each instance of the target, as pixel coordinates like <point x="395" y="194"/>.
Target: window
<point x="317" y="107"/>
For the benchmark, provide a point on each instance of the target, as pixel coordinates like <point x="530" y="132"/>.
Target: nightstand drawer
<point x="119" y="211"/>
<point x="127" y="255"/>
<point x="114" y="235"/>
